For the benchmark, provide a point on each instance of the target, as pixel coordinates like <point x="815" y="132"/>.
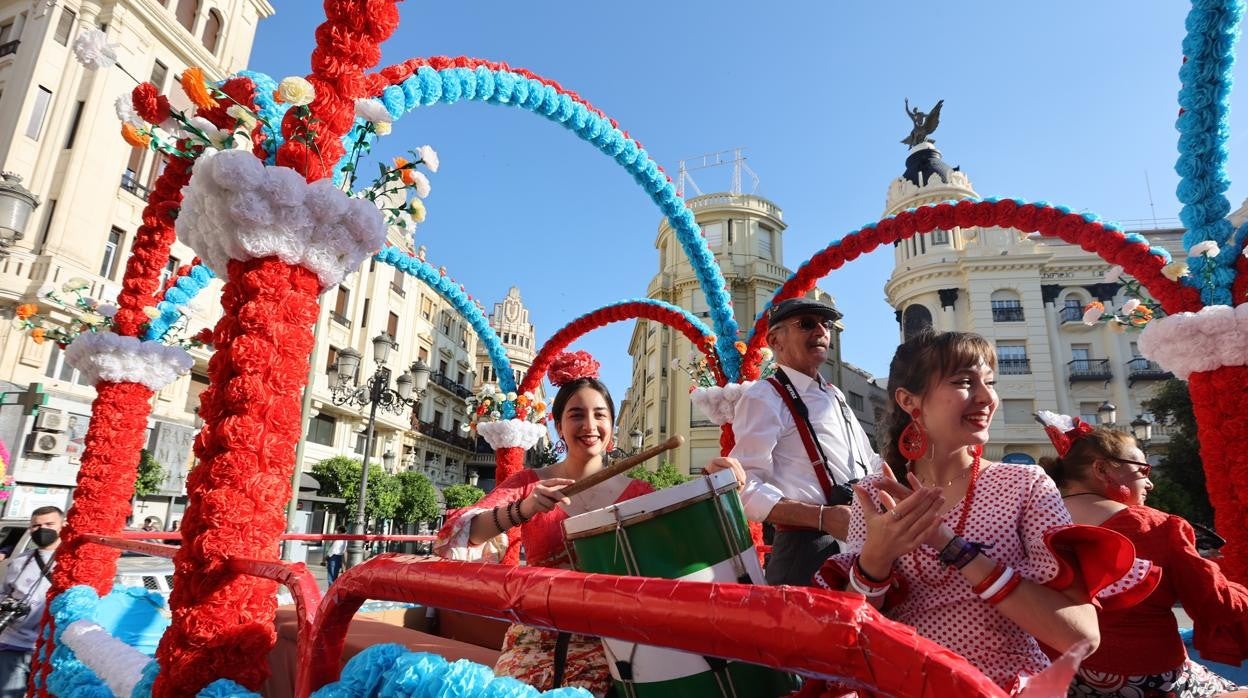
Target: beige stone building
<point x="746" y="236"/>
<point x="1026" y="296"/>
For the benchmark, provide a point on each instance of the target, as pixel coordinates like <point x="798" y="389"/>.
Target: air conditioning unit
<point x="48" y="443"/>
<point x="51" y="420"/>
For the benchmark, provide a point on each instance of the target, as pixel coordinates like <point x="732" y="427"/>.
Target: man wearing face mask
<point x="26" y="582"/>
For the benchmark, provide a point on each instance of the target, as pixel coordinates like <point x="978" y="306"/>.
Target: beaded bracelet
<point x="520" y="512"/>
<point x="511" y="515"/>
<point x="499" y="524"/>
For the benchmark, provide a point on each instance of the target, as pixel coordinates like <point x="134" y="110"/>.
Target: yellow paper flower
<point x="76" y="283"/>
<point x="196" y="88"/>
<point x="1174" y="270"/>
<point x="295" y="91"/>
<point x="382" y="128"/>
<point x="418" y="210"/>
<point x="151" y="312"/>
<point x="242" y="115"/>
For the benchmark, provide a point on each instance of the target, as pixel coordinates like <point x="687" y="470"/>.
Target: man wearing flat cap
<point x="800" y="445"/>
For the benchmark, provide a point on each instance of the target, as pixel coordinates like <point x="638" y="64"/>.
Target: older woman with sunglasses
<point x="1103" y="478"/>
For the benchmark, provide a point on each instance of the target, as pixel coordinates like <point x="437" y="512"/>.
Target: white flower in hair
<point x="1053" y="419"/>
<point x="93" y="51"/>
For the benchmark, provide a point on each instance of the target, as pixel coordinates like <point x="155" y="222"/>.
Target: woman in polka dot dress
<point x="977" y="556"/>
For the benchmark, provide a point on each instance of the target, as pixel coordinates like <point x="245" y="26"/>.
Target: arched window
<point x="1006" y="306"/>
<point x="916" y="319"/>
<point x="187" y="11"/>
<point x="212" y="31"/>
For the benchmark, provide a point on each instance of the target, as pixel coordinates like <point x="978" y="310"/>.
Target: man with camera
<point x="800" y="445"/>
<point x="22" y="598"/>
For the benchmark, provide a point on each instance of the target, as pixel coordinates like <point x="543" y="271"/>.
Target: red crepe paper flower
<point x="150" y="104"/>
<point x="570" y="366"/>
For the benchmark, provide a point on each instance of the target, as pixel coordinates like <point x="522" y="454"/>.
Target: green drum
<point x="697" y="532"/>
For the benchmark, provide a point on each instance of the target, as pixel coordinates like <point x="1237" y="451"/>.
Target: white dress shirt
<point x="771" y="451"/>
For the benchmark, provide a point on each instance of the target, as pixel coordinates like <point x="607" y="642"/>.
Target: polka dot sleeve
<point x="1042" y="512"/>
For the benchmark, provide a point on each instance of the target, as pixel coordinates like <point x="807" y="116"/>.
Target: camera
<point x="12" y="610"/>
<point x="843" y="493"/>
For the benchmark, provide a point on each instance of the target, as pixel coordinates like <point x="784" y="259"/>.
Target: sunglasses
<point x="806" y="324"/>
<point x="1141" y="468"/>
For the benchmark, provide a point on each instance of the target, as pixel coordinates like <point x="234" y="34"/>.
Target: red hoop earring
<point x="1118" y="493"/>
<point x="913" y="440"/>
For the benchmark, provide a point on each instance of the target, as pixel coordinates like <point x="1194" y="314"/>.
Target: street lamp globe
<point x="634" y="439"/>
<point x="382" y="344"/>
<point x="16" y="205"/>
<point x="387" y="460"/>
<point x="404" y="385"/>
<point x="473" y="478"/>
<point x="1142" y="429"/>
<point x="348" y="365"/>
<point x="1107" y="414"/>
<point x="420" y="375"/>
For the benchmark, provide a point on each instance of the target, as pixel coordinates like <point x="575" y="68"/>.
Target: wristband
<point x="862" y="586"/>
<point x="998" y="584"/>
<point x="959" y="553"/>
<point x="1007" y="589"/>
<point x="866" y="579"/>
<point x="989" y="579"/>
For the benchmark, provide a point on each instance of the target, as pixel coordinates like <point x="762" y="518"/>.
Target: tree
<point x="151" y="475"/>
<point x="340" y="477"/>
<point x="460" y="496"/>
<point x="665" y="476"/>
<point x="546" y="456"/>
<point x="337" y="476"/>
<point x="418" y="501"/>
<point x="1179" y="480"/>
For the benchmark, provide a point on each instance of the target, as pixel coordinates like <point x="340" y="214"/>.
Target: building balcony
<point x="131" y="184"/>
<point x="1142" y="369"/>
<point x="9" y="48"/>
<point x="1089" y="370"/>
<point x="439" y="379"/>
<point x="1014" y="366"/>
<point x="1070" y="313"/>
<point x="1007" y="312"/>
<point x="436" y="432"/>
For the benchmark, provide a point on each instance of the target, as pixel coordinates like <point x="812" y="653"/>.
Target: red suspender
<point x="808" y="440"/>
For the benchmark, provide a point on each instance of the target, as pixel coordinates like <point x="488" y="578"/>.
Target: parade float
<point x="262" y="184"/>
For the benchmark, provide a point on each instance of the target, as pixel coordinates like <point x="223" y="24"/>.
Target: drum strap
<point x="561" y="658"/>
<point x="719" y="667"/>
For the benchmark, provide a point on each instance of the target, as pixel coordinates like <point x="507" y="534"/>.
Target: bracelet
<point x="1009" y="587"/>
<point x="861" y="586"/>
<point x="520" y="512"/>
<point x="865" y="580"/>
<point x="998" y="584"/>
<point x="499" y="524"/>
<point x="990" y="579"/>
<point x="819" y="527"/>
<point x="512" y="516"/>
<point x="959" y="553"/>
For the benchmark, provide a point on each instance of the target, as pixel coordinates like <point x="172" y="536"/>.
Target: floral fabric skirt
<point x="1190" y="680"/>
<point x="529" y="655"/>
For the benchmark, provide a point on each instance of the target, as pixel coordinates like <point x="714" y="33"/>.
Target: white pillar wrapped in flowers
<point x="278" y="242"/>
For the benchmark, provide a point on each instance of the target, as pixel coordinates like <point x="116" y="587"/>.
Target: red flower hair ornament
<point x="571" y="365"/>
<point x="1062" y="430"/>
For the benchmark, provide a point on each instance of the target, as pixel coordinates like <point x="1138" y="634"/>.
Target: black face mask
<point x="43" y="537"/>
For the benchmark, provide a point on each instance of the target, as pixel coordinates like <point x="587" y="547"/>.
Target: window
<point x="321" y="429"/>
<point x="47" y="226"/>
<point x="730" y="238"/>
<point x="1012" y="358"/>
<point x="360" y="442"/>
<point x="714" y="234"/>
<point x="199" y="384"/>
<point x="59" y="368"/>
<point x="73" y="124"/>
<point x="112" y="256"/>
<point x="364" y="317"/>
<point x="1087" y="412"/>
<point x="426" y="307"/>
<point x="1018" y="412"/>
<point x="764" y="239"/>
<point x="43" y="99"/>
<point x="446" y="323"/>
<point x="463" y="337"/>
<point x="187" y="10"/>
<point x="460" y="379"/>
<point x="916" y="319"/>
<point x="160" y="73"/>
<point x="487" y="373"/>
<point x="212" y="31"/>
<point x="331" y="358"/>
<point x="171" y="268"/>
<point x="396" y="284"/>
<point x="856" y="402"/>
<point x="437" y="419"/>
<point x="155" y="169"/>
<point x="1072" y="309"/>
<point x="1081" y="352"/>
<point x="423" y="355"/>
<point x="341" y="302"/>
<point x="455" y="426"/>
<point x="6" y="32"/>
<point x="441" y="368"/>
<point x="1135" y="350"/>
<point x="65" y="27"/>
<point x="940" y="237"/>
<point x="1007" y="311"/>
<point x="392" y="325"/>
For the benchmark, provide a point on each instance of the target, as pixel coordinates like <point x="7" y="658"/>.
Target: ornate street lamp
<point x="473" y="478"/>
<point x="375" y="393"/>
<point x="634" y="439"/>
<point x="1142" y="430"/>
<point x="1107" y="414"/>
<point x="16" y="205"/>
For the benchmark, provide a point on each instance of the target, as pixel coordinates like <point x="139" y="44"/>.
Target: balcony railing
<point x="434" y="431"/>
<point x="1014" y="366"/>
<point x="9" y="48"/>
<point x="454" y="388"/>
<point x="1142" y="369"/>
<point x="340" y="318"/>
<point x="1089" y="370"/>
<point x="1071" y="313"/>
<point x="1007" y="311"/>
<point x="131" y="184"/>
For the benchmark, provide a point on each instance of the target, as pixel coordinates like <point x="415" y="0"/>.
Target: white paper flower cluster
<point x="719" y="404"/>
<point x="237" y="208"/>
<point x="1185" y="343"/>
<point x="118" y="665"/>
<point x="112" y="358"/>
<point x="511" y="433"/>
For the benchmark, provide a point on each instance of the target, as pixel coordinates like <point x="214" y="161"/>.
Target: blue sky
<point x="1070" y="102"/>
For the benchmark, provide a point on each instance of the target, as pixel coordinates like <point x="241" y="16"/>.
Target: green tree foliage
<point x="546" y="456"/>
<point x="340" y="477"/>
<point x="1179" y="480"/>
<point x="418" y="501"/>
<point x="151" y="475"/>
<point x="337" y="476"/>
<point x="665" y="476"/>
<point x="460" y="496"/>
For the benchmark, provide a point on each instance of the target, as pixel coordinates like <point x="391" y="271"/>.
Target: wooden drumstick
<point x="621" y="466"/>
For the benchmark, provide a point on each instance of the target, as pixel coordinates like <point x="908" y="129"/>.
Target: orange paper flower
<point x="26" y="310"/>
<point x="37" y="334"/>
<point x="407" y="174"/>
<point x="132" y="136"/>
<point x="740" y="347"/>
<point x="196" y="88"/>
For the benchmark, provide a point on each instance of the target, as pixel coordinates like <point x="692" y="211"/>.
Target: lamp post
<point x="375" y="393"/>
<point x="473" y="478"/>
<point x="16" y="205"/>
<point x="634" y="439"/>
<point x="1107" y="414"/>
<point x="1142" y="430"/>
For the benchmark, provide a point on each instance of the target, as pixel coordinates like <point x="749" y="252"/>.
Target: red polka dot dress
<point x="1013" y="508"/>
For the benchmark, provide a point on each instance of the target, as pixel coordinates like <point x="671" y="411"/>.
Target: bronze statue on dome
<point x="924" y="124"/>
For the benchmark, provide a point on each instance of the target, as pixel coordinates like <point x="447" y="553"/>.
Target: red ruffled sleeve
<point x="1105" y="562"/>
<point x="453" y="538"/>
<point x="1218" y="606"/>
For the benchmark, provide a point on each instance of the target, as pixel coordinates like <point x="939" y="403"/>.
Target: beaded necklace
<point x="967" y="502"/>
